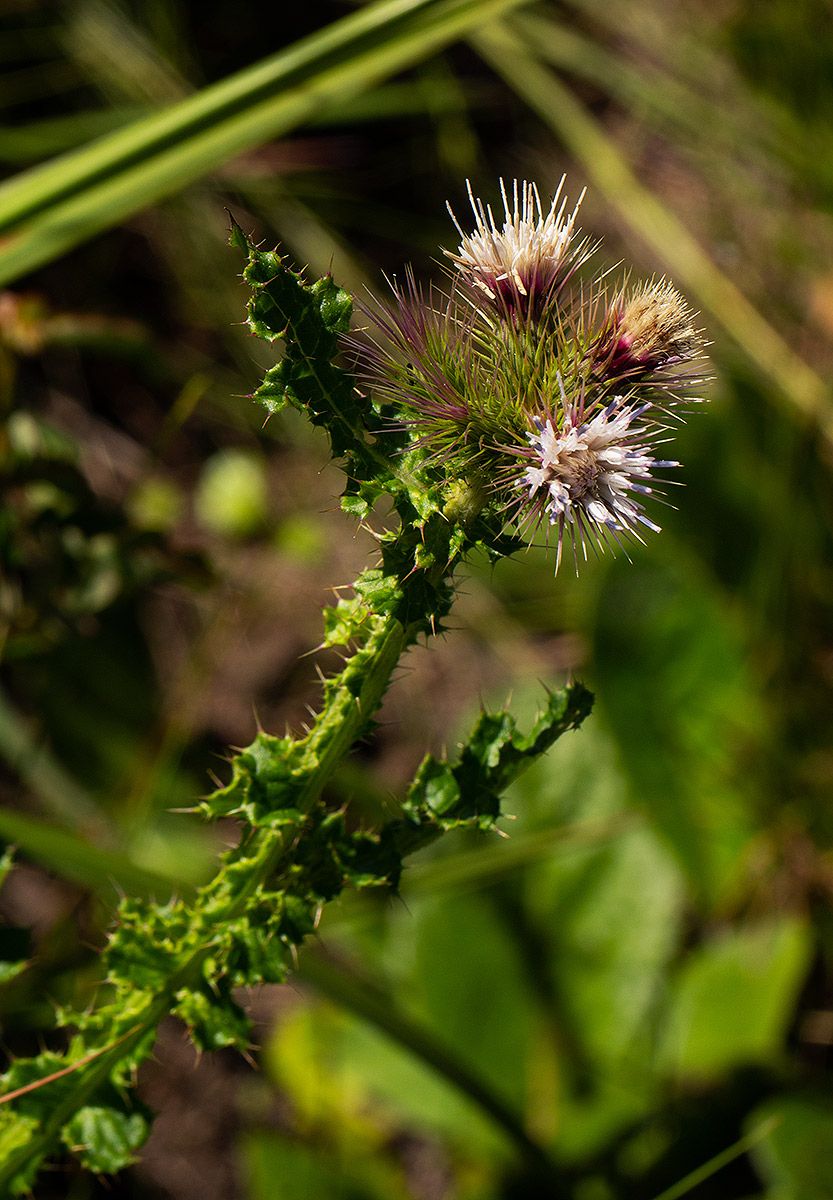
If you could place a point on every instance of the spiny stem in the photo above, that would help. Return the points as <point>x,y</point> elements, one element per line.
<point>330,739</point>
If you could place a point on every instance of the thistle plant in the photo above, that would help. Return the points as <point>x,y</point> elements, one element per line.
<point>521,399</point>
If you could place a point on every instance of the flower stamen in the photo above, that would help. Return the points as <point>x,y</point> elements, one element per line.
<point>582,476</point>
<point>525,261</point>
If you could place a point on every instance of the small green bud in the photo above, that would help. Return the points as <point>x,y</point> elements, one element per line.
<point>464,501</point>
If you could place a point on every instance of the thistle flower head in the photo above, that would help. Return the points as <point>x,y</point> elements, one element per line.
<point>649,330</point>
<point>434,365</point>
<point>543,403</point>
<point>585,476</point>
<point>521,266</point>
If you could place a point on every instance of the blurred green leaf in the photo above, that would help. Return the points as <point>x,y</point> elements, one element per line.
<point>467,961</point>
<point>346,1075</point>
<point>300,537</point>
<point>679,697</point>
<point>796,1158</point>
<point>733,999</point>
<point>416,1070</point>
<point>612,912</point>
<point>608,918</point>
<point>275,1166</point>
<point>616,914</point>
<point>155,504</point>
<point>6,863</point>
<point>231,497</point>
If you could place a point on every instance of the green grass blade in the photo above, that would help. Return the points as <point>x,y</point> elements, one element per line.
<point>83,194</point>
<point>43,186</point>
<point>73,858</point>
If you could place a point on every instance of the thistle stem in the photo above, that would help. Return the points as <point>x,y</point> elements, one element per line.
<point>362,685</point>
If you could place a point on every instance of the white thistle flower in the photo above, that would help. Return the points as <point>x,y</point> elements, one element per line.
<point>527,259</point>
<point>583,478</point>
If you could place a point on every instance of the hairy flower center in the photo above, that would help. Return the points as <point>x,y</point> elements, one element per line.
<point>579,471</point>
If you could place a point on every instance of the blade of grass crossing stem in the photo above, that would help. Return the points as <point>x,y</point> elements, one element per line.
<point>545,94</point>
<point>721,1160</point>
<point>118,181</point>
<point>359,998</point>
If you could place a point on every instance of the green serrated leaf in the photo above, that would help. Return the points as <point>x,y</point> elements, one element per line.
<point>358,505</point>
<point>105,1139</point>
<point>436,786</point>
<point>335,304</point>
<point>16,1130</point>
<point>310,319</point>
<point>213,1020</point>
<point>345,622</point>
<point>146,947</point>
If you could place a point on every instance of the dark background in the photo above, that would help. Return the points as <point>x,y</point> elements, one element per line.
<point>643,970</point>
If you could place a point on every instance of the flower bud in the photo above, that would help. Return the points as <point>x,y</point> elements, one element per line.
<point>653,329</point>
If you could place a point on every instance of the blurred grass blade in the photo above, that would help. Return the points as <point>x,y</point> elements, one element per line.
<point>651,90</point>
<point>22,144</point>
<point>116,54</point>
<point>360,998</point>
<point>56,206</point>
<point>467,871</point>
<point>700,1174</point>
<point>655,224</point>
<point>72,858</point>
<point>44,775</point>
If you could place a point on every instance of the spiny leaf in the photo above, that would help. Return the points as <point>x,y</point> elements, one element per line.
<point>310,319</point>
<point>105,1139</point>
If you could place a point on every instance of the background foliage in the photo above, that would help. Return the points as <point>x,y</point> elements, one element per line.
<point>642,971</point>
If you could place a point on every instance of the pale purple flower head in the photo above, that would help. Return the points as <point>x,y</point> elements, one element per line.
<point>586,475</point>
